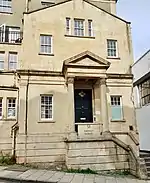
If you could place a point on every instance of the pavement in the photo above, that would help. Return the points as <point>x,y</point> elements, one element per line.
<point>8,175</point>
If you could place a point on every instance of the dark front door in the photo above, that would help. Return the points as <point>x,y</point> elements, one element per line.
<point>83,105</point>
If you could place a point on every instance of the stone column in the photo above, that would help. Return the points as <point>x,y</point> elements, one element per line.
<point>71,112</point>
<point>103,103</point>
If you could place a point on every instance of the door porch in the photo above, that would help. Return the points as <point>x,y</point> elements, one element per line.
<point>86,77</point>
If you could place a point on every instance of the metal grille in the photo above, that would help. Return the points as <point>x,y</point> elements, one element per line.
<point>8,36</point>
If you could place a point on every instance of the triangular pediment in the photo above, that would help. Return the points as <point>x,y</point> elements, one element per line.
<point>87,58</point>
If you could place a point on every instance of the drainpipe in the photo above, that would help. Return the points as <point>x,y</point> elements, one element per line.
<point>26,119</point>
<point>27,6</point>
<point>15,127</point>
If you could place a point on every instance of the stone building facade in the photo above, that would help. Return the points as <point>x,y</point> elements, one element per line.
<point>66,85</point>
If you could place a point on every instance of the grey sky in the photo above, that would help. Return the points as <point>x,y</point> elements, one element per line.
<point>138,13</point>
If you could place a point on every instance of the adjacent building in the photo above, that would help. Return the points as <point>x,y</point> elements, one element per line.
<point>141,71</point>
<point>66,85</point>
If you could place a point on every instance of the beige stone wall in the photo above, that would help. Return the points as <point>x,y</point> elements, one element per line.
<point>14,18</point>
<point>96,156</point>
<point>44,85</point>
<point>39,23</point>
<point>46,148</point>
<point>5,122</point>
<point>124,89</point>
<point>10,48</point>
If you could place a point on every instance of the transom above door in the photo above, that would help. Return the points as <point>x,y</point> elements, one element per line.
<point>83,105</point>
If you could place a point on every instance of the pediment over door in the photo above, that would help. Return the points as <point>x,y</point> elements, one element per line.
<point>85,64</point>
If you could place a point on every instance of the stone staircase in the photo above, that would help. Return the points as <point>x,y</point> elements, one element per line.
<point>146,156</point>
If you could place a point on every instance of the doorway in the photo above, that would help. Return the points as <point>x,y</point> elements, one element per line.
<point>83,105</point>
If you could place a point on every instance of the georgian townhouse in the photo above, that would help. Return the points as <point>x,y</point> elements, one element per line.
<point>66,85</point>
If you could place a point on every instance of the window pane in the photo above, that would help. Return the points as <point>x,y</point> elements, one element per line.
<point>112,48</point>
<point>90,28</point>
<point>5,5</point>
<point>2,58</point>
<point>79,27</point>
<point>116,112</point>
<point>11,107</point>
<point>45,44</point>
<point>12,61</point>
<point>46,107</point>
<point>116,108</point>
<point>144,89</point>
<point>0,108</point>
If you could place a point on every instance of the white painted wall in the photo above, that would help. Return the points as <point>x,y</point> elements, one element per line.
<point>143,121</point>
<point>140,69</point>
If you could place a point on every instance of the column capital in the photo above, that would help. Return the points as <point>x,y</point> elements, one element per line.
<point>103,81</point>
<point>70,80</point>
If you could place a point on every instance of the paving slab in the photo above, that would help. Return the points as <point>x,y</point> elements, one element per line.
<point>99,179</point>
<point>47,175</point>
<point>67,178</point>
<point>89,179</point>
<point>78,178</point>
<point>26,174</point>
<point>131,180</point>
<point>35,175</point>
<point>12,174</point>
<point>3,173</point>
<point>3,167</point>
<point>56,177</point>
<point>110,180</point>
<point>120,180</point>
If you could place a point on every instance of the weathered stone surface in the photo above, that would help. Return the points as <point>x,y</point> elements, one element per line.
<point>78,178</point>
<point>56,177</point>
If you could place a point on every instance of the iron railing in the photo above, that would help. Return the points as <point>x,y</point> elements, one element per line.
<point>11,36</point>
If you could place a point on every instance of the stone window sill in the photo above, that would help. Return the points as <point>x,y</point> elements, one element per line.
<point>89,37</point>
<point>46,121</point>
<point>3,12</point>
<point>115,58</point>
<point>122,121</point>
<point>10,43</point>
<point>46,54</point>
<point>8,119</point>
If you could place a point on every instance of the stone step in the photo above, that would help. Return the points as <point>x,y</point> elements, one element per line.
<point>148,173</point>
<point>148,169</point>
<point>147,160</point>
<point>145,155</point>
<point>147,164</point>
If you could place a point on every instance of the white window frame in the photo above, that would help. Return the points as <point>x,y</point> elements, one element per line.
<point>109,48</point>
<point>46,45</point>
<point>12,61</point>
<point>2,61</point>
<point>1,116</point>
<point>2,32</point>
<point>121,105</point>
<point>5,8</point>
<point>68,26</point>
<point>46,119</point>
<point>90,28</point>
<point>78,30</point>
<point>11,98</point>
